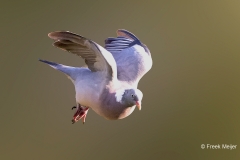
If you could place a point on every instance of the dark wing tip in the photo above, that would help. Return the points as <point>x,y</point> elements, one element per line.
<point>65,35</point>
<point>56,34</point>
<point>58,44</point>
<point>50,34</point>
<point>53,35</point>
<point>127,34</point>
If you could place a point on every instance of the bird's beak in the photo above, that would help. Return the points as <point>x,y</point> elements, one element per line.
<point>138,104</point>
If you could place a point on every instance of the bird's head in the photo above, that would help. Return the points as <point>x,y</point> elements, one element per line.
<point>130,97</point>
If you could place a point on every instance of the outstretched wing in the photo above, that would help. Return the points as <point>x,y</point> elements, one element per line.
<point>132,56</point>
<point>96,57</point>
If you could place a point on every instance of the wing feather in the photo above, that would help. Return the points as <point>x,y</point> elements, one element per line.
<point>132,56</point>
<point>96,57</point>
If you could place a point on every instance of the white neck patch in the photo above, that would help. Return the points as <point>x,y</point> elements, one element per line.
<point>119,95</point>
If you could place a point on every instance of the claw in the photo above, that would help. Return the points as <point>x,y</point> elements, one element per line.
<point>81,113</point>
<point>74,107</point>
<point>73,121</point>
<point>84,118</point>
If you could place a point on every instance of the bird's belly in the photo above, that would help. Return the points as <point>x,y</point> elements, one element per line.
<point>88,89</point>
<point>86,99</point>
<point>115,114</point>
<point>86,95</point>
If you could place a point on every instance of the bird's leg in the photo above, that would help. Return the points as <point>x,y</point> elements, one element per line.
<point>81,113</point>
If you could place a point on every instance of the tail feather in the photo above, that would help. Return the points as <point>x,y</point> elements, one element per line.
<point>52,64</point>
<point>69,71</point>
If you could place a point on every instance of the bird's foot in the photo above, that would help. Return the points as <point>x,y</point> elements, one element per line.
<point>81,113</point>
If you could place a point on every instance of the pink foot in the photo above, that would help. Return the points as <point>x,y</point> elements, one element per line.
<point>81,113</point>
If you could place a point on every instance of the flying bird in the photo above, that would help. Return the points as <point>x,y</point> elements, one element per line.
<point>108,84</point>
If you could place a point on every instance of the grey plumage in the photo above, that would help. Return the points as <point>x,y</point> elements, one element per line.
<point>109,84</point>
<point>133,58</point>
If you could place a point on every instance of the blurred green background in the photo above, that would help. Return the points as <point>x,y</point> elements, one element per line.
<point>191,95</point>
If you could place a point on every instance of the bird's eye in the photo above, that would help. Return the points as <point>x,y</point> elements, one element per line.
<point>132,95</point>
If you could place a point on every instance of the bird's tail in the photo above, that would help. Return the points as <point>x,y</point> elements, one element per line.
<point>69,71</point>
